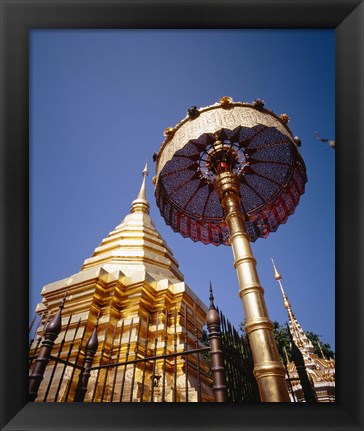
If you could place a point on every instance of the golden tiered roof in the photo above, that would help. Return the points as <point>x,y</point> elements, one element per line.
<point>135,245</point>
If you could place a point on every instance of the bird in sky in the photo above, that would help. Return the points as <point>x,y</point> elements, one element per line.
<point>331,142</point>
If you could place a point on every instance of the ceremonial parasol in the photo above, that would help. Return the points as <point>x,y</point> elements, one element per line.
<point>261,151</point>
<point>228,174</point>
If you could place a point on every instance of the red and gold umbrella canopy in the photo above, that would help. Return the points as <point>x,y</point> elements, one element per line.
<point>243,138</point>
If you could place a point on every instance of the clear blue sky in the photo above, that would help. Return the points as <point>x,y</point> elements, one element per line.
<point>99,103</point>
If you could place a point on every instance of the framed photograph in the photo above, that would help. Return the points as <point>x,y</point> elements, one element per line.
<point>160,38</point>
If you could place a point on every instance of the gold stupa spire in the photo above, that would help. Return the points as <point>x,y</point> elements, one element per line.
<point>278,277</point>
<point>292,320</point>
<point>141,204</point>
<point>298,334</point>
<point>135,245</point>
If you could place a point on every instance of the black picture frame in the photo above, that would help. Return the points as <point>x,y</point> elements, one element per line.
<point>17,18</point>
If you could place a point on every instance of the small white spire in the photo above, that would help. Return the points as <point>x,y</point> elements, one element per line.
<point>145,171</point>
<point>140,204</point>
<point>142,193</point>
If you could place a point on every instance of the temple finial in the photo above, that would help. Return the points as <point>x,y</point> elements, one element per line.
<point>145,171</point>
<point>277,275</point>
<point>140,204</point>
<point>286,303</point>
<point>142,193</point>
<point>294,327</point>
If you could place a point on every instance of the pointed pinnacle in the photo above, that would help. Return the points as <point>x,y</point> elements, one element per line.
<point>212,305</point>
<point>142,192</point>
<point>63,300</point>
<point>140,204</point>
<point>145,171</point>
<point>277,275</point>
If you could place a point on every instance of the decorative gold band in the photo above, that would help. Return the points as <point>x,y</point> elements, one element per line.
<point>244,259</point>
<point>268,368</point>
<point>263,323</point>
<point>251,288</point>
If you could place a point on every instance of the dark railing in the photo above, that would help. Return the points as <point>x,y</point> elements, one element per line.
<point>240,381</point>
<point>134,362</point>
<point>144,359</point>
<point>51,332</point>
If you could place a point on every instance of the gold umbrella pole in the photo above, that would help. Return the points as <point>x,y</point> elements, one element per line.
<point>268,369</point>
